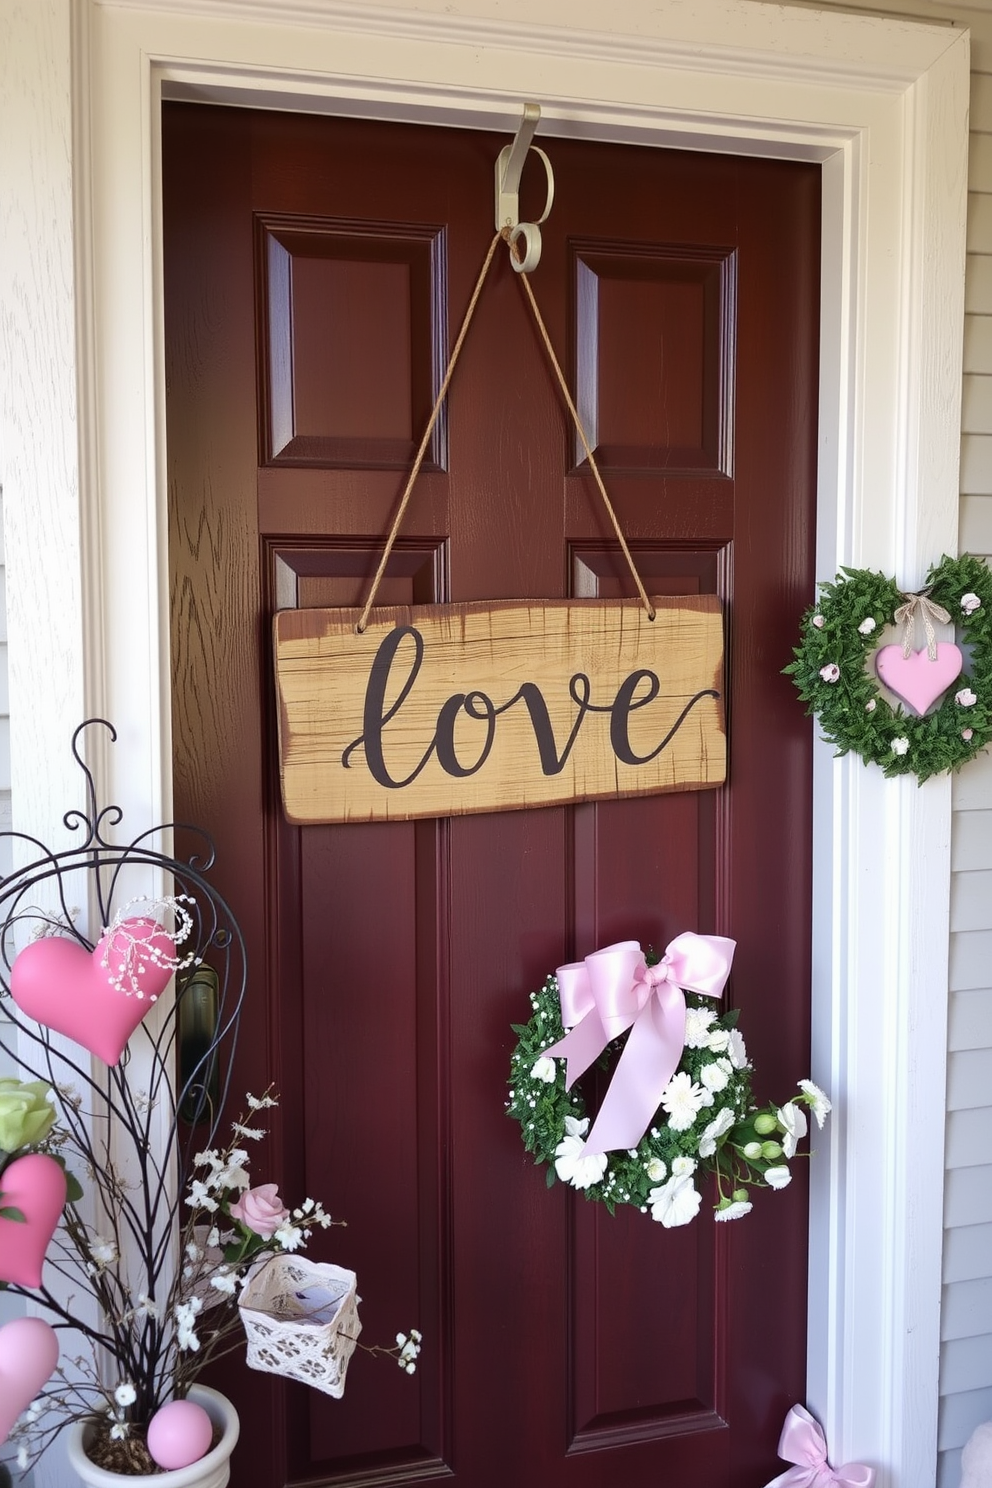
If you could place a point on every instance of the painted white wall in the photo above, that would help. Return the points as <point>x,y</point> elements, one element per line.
<point>881,103</point>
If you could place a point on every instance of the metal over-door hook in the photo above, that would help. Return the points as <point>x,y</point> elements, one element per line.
<point>509,166</point>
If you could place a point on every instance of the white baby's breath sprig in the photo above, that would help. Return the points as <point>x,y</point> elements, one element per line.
<point>132,952</point>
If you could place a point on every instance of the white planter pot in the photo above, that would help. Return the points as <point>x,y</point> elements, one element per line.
<point>212,1471</point>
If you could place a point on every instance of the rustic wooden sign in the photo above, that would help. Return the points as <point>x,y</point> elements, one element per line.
<point>439,710</point>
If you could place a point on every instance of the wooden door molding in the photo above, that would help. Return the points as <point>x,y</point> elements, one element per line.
<point>727,76</point>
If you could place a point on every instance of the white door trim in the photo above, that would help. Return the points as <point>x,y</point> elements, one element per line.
<point>883,104</point>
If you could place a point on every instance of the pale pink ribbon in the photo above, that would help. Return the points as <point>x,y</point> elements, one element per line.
<point>613,990</point>
<point>803,1443</point>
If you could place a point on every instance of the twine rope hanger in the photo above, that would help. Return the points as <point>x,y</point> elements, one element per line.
<point>504,234</point>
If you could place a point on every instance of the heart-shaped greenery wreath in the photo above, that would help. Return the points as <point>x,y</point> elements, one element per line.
<point>830,671</point>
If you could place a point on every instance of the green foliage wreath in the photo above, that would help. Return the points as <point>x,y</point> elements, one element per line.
<point>834,677</point>
<point>727,1136</point>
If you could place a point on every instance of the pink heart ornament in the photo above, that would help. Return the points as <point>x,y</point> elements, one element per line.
<point>35,1184</point>
<point>29,1352</point>
<point>915,678</point>
<point>61,984</point>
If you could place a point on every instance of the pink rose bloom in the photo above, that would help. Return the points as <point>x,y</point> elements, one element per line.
<point>818,621</point>
<point>830,672</point>
<point>966,734</point>
<point>261,1210</point>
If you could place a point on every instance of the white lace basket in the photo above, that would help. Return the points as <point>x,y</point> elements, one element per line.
<point>301,1319</point>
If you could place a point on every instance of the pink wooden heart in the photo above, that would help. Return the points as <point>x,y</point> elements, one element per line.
<point>35,1184</point>
<point>29,1352</point>
<point>60,983</point>
<point>915,678</point>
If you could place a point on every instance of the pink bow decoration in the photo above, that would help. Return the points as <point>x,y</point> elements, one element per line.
<point>614,989</point>
<point>803,1443</point>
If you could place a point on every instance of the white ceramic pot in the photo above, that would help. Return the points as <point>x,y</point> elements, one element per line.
<point>212,1471</point>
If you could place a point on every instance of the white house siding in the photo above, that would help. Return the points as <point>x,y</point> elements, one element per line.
<point>966,1330</point>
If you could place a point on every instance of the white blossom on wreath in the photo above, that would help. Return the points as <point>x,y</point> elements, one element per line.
<point>816,1100</point>
<point>794,1127</point>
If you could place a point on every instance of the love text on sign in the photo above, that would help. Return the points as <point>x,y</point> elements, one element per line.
<point>440,710</point>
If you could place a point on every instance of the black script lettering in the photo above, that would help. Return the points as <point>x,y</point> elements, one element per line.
<point>444,736</point>
<point>540,720</point>
<point>373,718</point>
<point>625,705</point>
<point>479,706</point>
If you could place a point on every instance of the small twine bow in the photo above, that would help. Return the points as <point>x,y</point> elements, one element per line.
<point>905,615</point>
<point>802,1442</point>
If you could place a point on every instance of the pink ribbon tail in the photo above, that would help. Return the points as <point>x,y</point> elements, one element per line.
<point>802,1443</point>
<point>613,990</point>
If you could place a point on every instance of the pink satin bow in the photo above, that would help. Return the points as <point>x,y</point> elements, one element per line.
<point>802,1442</point>
<point>613,990</point>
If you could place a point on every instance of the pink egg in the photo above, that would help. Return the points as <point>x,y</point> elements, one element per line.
<point>179,1433</point>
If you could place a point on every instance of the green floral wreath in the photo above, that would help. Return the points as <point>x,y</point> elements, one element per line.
<point>830,672</point>
<point>725,1134</point>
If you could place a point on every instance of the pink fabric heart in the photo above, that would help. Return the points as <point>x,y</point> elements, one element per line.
<point>915,678</point>
<point>29,1352</point>
<point>35,1184</point>
<point>61,984</point>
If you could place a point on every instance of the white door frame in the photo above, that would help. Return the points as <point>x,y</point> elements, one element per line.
<point>883,104</point>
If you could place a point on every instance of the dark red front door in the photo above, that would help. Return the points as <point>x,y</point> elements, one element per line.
<point>316,271</point>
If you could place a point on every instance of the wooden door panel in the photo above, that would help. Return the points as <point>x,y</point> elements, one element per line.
<point>563,1348</point>
<point>351,314</point>
<point>671,408</point>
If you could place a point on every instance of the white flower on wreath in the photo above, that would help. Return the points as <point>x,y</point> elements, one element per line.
<point>735,1210</point>
<point>676,1203</point>
<point>966,698</point>
<point>970,603</point>
<point>737,1049</point>
<point>718,1041</point>
<point>718,1127</point>
<point>656,1170</point>
<point>818,621</point>
<point>570,1165</point>
<point>867,625</point>
<point>682,1099</point>
<point>871,705</point>
<point>900,746</point>
<point>779,1177</point>
<point>820,1104</point>
<point>793,1120</point>
<point>716,1076</point>
<point>830,672</point>
<point>697,1027</point>
<point>683,1167</point>
<point>544,1069</point>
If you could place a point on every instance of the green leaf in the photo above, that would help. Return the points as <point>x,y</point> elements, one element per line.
<point>73,1187</point>
<point>10,1212</point>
